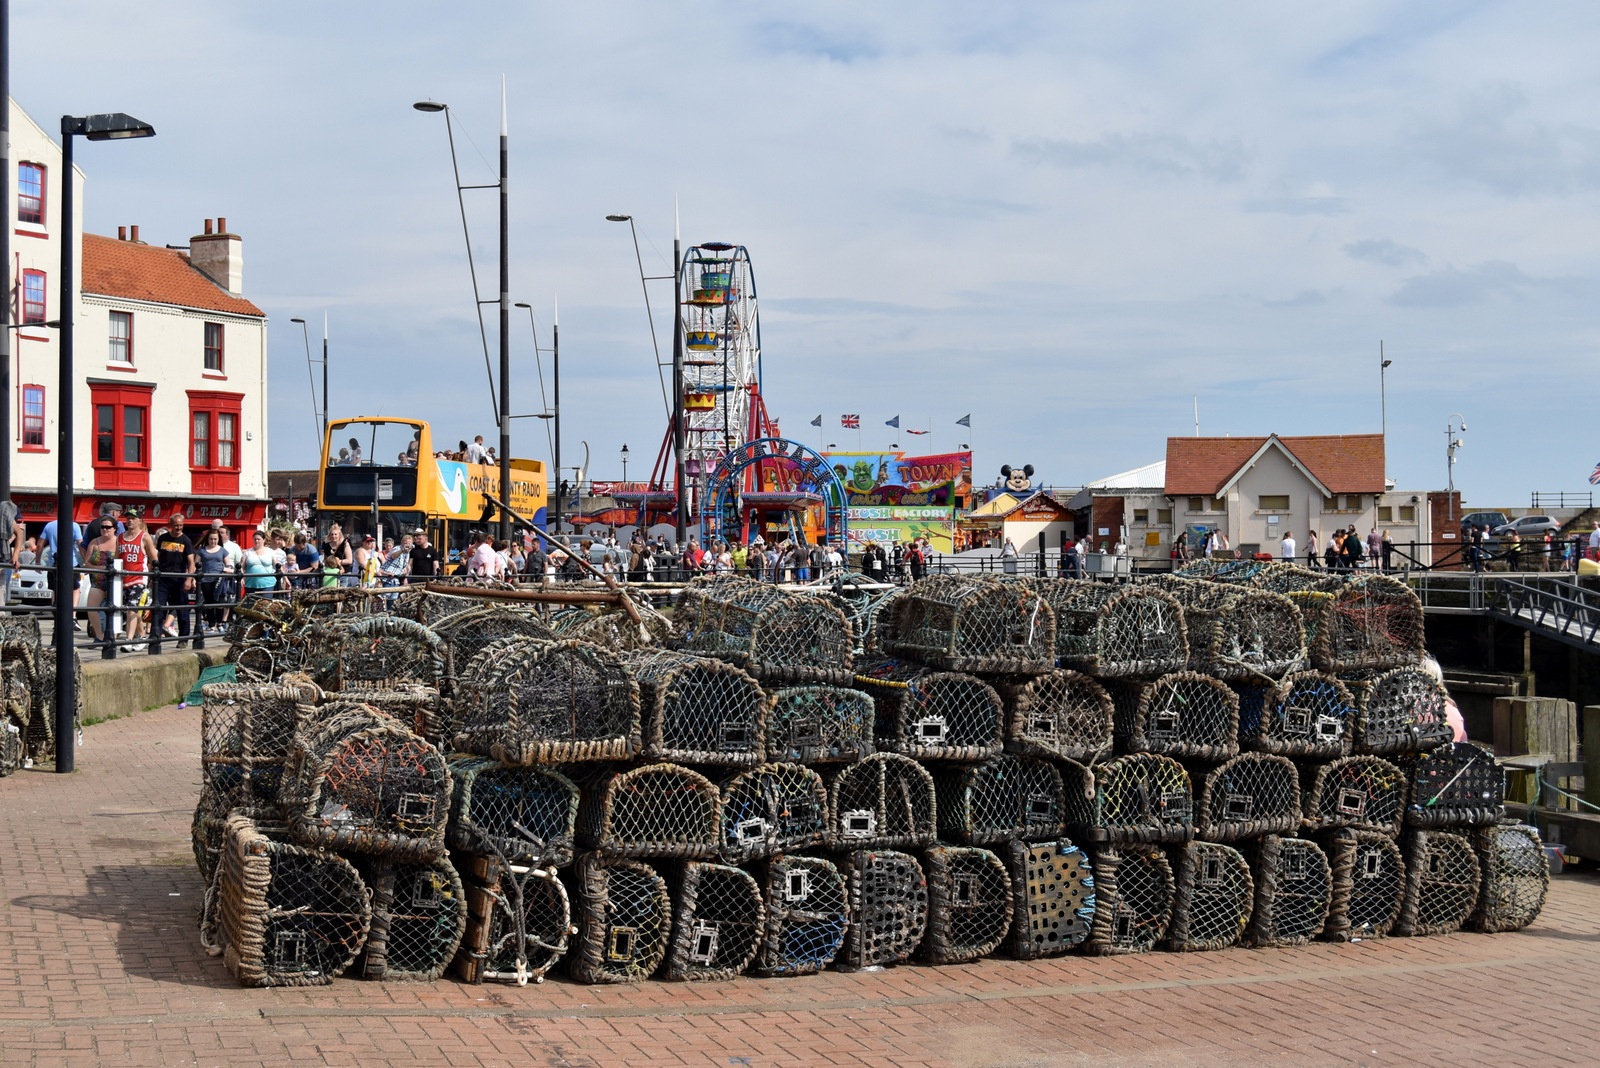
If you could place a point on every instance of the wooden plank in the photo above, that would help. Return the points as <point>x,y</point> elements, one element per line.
<point>1535,725</point>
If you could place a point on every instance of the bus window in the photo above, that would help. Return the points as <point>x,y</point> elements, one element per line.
<point>373,442</point>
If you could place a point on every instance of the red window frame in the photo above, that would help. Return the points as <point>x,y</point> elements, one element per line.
<point>219,413</point>
<point>33,297</point>
<point>112,339</point>
<point>30,192</point>
<point>120,424</point>
<point>213,347</point>
<point>33,419</point>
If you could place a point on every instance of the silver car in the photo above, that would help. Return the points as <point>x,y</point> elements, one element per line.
<point>1529,526</point>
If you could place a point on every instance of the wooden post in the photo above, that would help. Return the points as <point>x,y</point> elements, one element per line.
<point>1537,725</point>
<point>1591,754</point>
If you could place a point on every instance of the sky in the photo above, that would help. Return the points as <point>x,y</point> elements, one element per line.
<point>1074,221</point>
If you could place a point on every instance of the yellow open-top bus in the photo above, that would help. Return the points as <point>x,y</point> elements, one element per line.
<point>378,471</point>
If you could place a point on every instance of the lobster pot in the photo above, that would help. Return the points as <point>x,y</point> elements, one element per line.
<point>1183,714</point>
<point>10,747</point>
<point>1456,785</point>
<point>1239,633</point>
<point>807,914</point>
<point>884,801</point>
<point>880,623</point>
<point>207,831</point>
<point>1364,793</point>
<point>384,652</point>
<point>1052,897</point>
<point>969,904</point>
<point>1293,888</point>
<point>772,808</point>
<point>1442,879</point>
<point>507,910</point>
<point>1514,877</point>
<point>1284,578</point>
<point>1254,793</point>
<point>1111,629</point>
<point>419,913</point>
<point>465,634</point>
<point>932,715</point>
<point>776,635</point>
<point>1309,715</point>
<point>624,920</point>
<point>658,810</point>
<point>1135,798</point>
<point>1133,894</point>
<point>717,922</point>
<point>1368,878</point>
<point>1005,797</point>
<point>1371,622</point>
<point>39,737</point>
<point>419,708</point>
<point>20,692</point>
<point>1398,712</point>
<point>888,908</point>
<point>819,725</point>
<point>1212,898</point>
<point>432,609</point>
<point>265,639</point>
<point>524,814</point>
<point>285,915</point>
<point>1059,714</point>
<point>976,623</point>
<point>614,628</point>
<point>19,630</point>
<point>524,701</point>
<point>698,709</point>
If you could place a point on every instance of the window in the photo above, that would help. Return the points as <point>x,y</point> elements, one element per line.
<point>1197,504</point>
<point>214,441</point>
<point>121,436</point>
<point>122,337</point>
<point>32,297</point>
<point>33,418</point>
<point>1219,504</point>
<point>1274,502</point>
<point>1330,504</point>
<point>1141,515</point>
<point>201,440</point>
<point>30,193</point>
<point>214,347</point>
<point>1408,513</point>
<point>1385,514</point>
<point>1163,515</point>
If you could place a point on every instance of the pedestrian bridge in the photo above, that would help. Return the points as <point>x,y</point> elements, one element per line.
<point>1553,605</point>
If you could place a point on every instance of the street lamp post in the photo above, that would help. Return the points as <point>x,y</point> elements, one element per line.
<point>108,127</point>
<point>309,362</point>
<point>1453,441</point>
<point>624,465</point>
<point>1383,402</point>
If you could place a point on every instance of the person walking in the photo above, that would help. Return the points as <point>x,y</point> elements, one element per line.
<point>1008,557</point>
<point>424,561</point>
<point>1353,550</point>
<point>99,554</point>
<point>174,587</point>
<point>1476,548</point>
<point>1287,550</point>
<point>261,566</point>
<point>1374,547</point>
<point>1311,548</point>
<point>137,551</point>
<point>1180,546</point>
<point>1333,555</point>
<point>1386,551</point>
<point>211,564</point>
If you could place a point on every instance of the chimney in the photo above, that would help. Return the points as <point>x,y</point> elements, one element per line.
<point>135,234</point>
<point>218,256</point>
<point>122,233</point>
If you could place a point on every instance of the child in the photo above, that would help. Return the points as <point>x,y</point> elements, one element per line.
<point>330,571</point>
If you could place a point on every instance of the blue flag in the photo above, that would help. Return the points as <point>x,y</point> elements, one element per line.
<point>895,422</point>
<point>965,420</point>
<point>817,421</point>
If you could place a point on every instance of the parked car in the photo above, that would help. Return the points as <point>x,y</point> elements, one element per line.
<point>29,585</point>
<point>1529,526</point>
<point>1489,521</point>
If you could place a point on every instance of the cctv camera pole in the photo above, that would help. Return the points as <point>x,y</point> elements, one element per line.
<point>505,332</point>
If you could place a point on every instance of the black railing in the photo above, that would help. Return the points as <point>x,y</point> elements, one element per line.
<point>1562,500</point>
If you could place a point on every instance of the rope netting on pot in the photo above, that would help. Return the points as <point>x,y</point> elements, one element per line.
<point>467,633</point>
<point>882,802</point>
<point>819,725</point>
<point>1249,795</point>
<point>657,810</point>
<point>385,652</point>
<point>976,623</point>
<point>1364,793</point>
<point>624,920</point>
<point>1514,877</point>
<point>772,808</point>
<point>775,634</point>
<point>431,609</point>
<point>1238,633</point>
<point>1052,897</point>
<point>1442,880</point>
<point>1061,714</point>
<point>19,683</point>
<point>1004,797</point>
<point>11,750</point>
<point>1182,714</point>
<point>1213,896</point>
<point>614,628</point>
<point>1373,622</point>
<point>1110,628</point>
<point>807,914</point>
<point>1397,712</point>
<point>880,620</point>
<point>1133,893</point>
<point>888,907</point>
<point>1136,798</point>
<point>698,709</point>
<point>1368,879</point>
<point>526,701</point>
<point>1456,785</point>
<point>419,913</point>
<point>30,687</point>
<point>208,830</point>
<point>1287,578</point>
<point>717,922</point>
<point>519,923</point>
<point>246,731</point>
<point>1294,886</point>
<point>969,904</point>
<point>1308,714</point>
<point>938,715</point>
<point>523,814</point>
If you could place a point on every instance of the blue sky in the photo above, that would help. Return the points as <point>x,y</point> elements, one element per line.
<point>1066,219</point>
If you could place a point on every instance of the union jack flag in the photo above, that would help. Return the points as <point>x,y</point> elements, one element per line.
<point>1594,476</point>
<point>916,431</point>
<point>850,422</point>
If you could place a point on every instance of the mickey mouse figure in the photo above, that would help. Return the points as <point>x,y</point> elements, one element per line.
<point>1016,479</point>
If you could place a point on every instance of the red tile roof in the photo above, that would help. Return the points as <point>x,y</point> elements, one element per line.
<point>137,271</point>
<point>1345,463</point>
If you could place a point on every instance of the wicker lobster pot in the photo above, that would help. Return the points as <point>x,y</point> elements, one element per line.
<point>1133,893</point>
<point>11,754</point>
<point>1442,880</point>
<point>658,810</point>
<point>419,708</point>
<point>807,914</point>
<point>1052,897</point>
<point>20,691</point>
<point>969,904</point>
<point>1514,877</point>
<point>432,609</point>
<point>419,913</point>
<point>523,814</point>
<point>39,735</point>
<point>1456,785</point>
<point>383,652</point>
<point>1308,714</point>
<point>1294,885</point>
<point>888,907</point>
<point>285,915</point>
<point>1368,879</point>
<point>1363,793</point>
<point>973,623</point>
<point>1371,621</point>
<point>1133,799</point>
<point>467,633</point>
<point>1213,896</point>
<point>208,831</point>
<point>614,628</point>
<point>535,702</point>
<point>699,710</point>
<point>717,922</point>
<point>1239,633</point>
<point>1112,629</point>
<point>245,734</point>
<point>1182,714</point>
<point>880,623</point>
<point>1399,712</point>
<point>1004,797</point>
<point>1287,578</point>
<point>776,635</point>
<point>624,920</point>
<point>772,808</point>
<point>819,725</point>
<point>932,715</point>
<point>882,802</point>
<point>1060,714</point>
<point>1252,794</point>
<point>508,910</point>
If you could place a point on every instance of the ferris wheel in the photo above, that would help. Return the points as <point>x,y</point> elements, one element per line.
<point>722,351</point>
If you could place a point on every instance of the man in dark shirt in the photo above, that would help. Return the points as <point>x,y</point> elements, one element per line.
<point>534,562</point>
<point>424,558</point>
<point>174,587</point>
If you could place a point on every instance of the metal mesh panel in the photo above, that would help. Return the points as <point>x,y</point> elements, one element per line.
<point>717,922</point>
<point>774,634</point>
<point>245,735</point>
<point>1399,711</point>
<point>1293,887</point>
<point>507,910</point>
<point>806,916</point>
<point>884,801</point>
<point>1238,633</point>
<point>1183,714</point>
<point>1212,898</point>
<point>698,709</point>
<point>976,623</point>
<point>1456,785</point>
<point>419,913</point>
<point>1442,879</point>
<point>659,810</point>
<point>1309,714</point>
<point>1061,714</point>
<point>1514,877</point>
<point>1373,621</point>
<point>1053,897</point>
<point>1112,629</point>
<point>624,919</point>
<point>969,904</point>
<point>938,715</point>
<point>1365,793</point>
<point>772,808</point>
<point>881,620</point>
<point>1133,893</point>
<point>1254,793</point>
<point>819,725</point>
<point>524,814</point>
<point>888,907</point>
<point>1368,878</point>
<point>1004,797</point>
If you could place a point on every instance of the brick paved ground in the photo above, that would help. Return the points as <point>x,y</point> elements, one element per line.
<point>99,963</point>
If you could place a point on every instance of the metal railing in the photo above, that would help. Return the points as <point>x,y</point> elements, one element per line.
<point>1556,605</point>
<point>1562,499</point>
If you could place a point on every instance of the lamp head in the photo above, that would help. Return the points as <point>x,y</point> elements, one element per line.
<point>618,218</point>
<point>429,106</point>
<point>302,322</point>
<point>519,304</point>
<point>1463,426</point>
<point>112,126</point>
<point>1386,363</point>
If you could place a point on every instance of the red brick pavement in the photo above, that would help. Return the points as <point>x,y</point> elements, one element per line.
<point>100,963</point>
